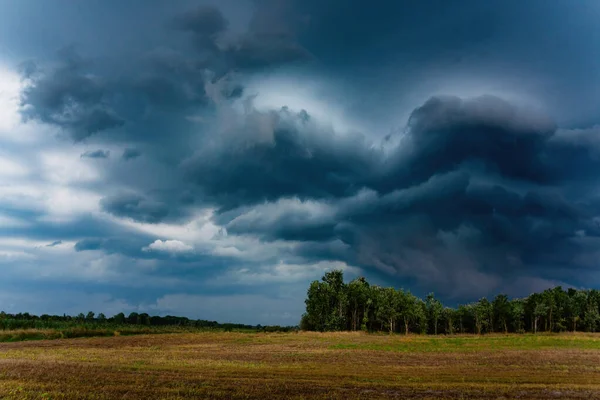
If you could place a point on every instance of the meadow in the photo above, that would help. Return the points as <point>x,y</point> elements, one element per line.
<point>234,365</point>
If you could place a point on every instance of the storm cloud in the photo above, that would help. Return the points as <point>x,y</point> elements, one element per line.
<point>260,143</point>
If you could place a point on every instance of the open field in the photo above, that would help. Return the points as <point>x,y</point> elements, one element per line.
<point>71,332</point>
<point>302,365</point>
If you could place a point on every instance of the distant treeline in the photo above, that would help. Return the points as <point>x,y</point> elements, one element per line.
<point>333,305</point>
<point>45,321</point>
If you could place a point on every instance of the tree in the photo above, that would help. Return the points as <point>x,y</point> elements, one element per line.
<point>387,307</point>
<point>119,318</point>
<point>421,316</point>
<point>338,299</point>
<point>561,304</point>
<point>133,318</point>
<point>540,310</point>
<point>576,306</point>
<point>333,305</point>
<point>502,310</point>
<point>364,326</point>
<point>448,316</point>
<point>482,314</point>
<point>317,305</point>
<point>358,291</point>
<point>408,309</point>
<point>305,323</point>
<point>591,315</point>
<point>90,316</point>
<point>517,313</point>
<point>434,311</point>
<point>101,317</point>
<point>464,313</point>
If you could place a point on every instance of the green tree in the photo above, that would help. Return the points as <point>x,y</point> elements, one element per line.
<point>502,310</point>
<point>576,306</point>
<point>434,311</point>
<point>387,307</point>
<point>408,309</point>
<point>421,316</point>
<point>318,305</point>
<point>119,318</point>
<point>591,315</point>
<point>449,316</point>
<point>517,314</point>
<point>133,318</point>
<point>338,299</point>
<point>540,310</point>
<point>358,292</point>
<point>464,314</point>
<point>90,316</point>
<point>483,315</point>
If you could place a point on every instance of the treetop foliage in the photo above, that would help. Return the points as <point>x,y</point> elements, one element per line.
<point>332,305</point>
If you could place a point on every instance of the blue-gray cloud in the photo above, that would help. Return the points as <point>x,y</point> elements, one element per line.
<point>65,96</point>
<point>96,154</point>
<point>130,154</point>
<point>486,182</point>
<point>135,207</point>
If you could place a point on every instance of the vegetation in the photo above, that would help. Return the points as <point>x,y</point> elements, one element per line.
<point>333,305</point>
<point>24,326</point>
<point>333,365</point>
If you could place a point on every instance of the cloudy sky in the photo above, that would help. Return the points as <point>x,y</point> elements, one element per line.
<point>211,158</point>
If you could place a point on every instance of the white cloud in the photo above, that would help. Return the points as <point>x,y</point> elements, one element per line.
<point>169,246</point>
<point>198,231</point>
<point>283,272</point>
<point>11,168</point>
<point>67,167</point>
<point>10,86</point>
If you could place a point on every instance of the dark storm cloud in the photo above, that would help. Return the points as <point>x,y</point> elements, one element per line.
<point>204,21</point>
<point>85,97</point>
<point>135,206</point>
<point>448,131</point>
<point>130,154</point>
<point>96,154</point>
<point>89,244</point>
<point>473,195</point>
<point>276,154</point>
<point>262,46</point>
<point>68,97</point>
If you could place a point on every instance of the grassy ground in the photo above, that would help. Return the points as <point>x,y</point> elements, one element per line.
<point>300,366</point>
<point>75,331</point>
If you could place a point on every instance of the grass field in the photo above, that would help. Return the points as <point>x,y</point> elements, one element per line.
<point>302,365</point>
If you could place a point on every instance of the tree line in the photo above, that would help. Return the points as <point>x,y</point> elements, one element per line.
<point>332,305</point>
<point>45,321</point>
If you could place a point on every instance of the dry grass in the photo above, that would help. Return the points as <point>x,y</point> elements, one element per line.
<point>300,366</point>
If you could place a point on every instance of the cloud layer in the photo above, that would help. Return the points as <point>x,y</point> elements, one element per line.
<point>161,174</point>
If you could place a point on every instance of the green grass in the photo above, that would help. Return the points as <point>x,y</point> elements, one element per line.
<point>475,343</point>
<point>87,331</point>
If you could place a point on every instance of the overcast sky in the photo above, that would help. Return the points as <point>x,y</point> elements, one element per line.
<point>211,158</point>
